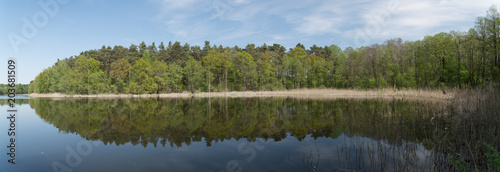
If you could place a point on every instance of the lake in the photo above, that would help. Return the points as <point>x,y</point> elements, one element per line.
<point>229,134</point>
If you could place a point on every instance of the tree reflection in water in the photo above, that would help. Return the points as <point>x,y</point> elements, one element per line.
<point>365,134</point>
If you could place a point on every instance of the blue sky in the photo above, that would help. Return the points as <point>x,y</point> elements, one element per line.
<point>79,25</point>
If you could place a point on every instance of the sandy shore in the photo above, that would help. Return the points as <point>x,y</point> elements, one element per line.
<point>301,93</point>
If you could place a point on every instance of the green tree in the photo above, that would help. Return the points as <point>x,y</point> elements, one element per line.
<point>211,62</point>
<point>159,73</point>
<point>193,74</point>
<point>265,71</point>
<point>141,80</point>
<point>120,69</point>
<point>174,77</point>
<point>248,70</point>
<point>295,67</point>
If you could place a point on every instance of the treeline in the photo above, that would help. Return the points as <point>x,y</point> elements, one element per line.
<point>454,59</point>
<point>20,89</point>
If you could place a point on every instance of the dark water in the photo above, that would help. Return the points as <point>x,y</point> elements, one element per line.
<point>218,134</point>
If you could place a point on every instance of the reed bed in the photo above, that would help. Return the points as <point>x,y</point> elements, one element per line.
<point>298,93</point>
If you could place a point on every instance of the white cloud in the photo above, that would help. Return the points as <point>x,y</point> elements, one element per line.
<point>412,19</point>
<point>171,4</point>
<point>317,24</point>
<point>289,20</point>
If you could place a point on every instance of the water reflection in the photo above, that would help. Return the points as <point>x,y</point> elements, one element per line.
<point>299,135</point>
<point>177,121</point>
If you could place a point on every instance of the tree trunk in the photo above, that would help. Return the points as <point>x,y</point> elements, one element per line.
<point>208,73</point>
<point>495,36</point>
<point>225,84</point>
<point>483,63</point>
<point>416,69</point>
<point>459,75</point>
<point>234,82</point>
<point>226,109</point>
<point>442,67</point>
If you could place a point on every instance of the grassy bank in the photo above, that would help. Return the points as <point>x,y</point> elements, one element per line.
<point>301,93</point>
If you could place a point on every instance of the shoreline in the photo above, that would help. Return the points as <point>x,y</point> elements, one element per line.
<point>300,93</point>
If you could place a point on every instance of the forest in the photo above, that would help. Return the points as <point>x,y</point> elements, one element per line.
<point>458,59</point>
<point>20,89</point>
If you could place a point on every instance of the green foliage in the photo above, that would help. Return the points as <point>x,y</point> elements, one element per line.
<point>460,164</point>
<point>120,69</point>
<point>247,70</point>
<point>296,68</point>
<point>174,77</point>
<point>120,75</point>
<point>193,74</point>
<point>265,72</point>
<point>20,89</point>
<point>493,157</point>
<point>142,79</point>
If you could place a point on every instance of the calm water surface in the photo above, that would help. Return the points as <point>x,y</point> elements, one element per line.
<point>225,134</point>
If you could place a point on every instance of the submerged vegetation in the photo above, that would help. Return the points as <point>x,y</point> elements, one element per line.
<point>454,59</point>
